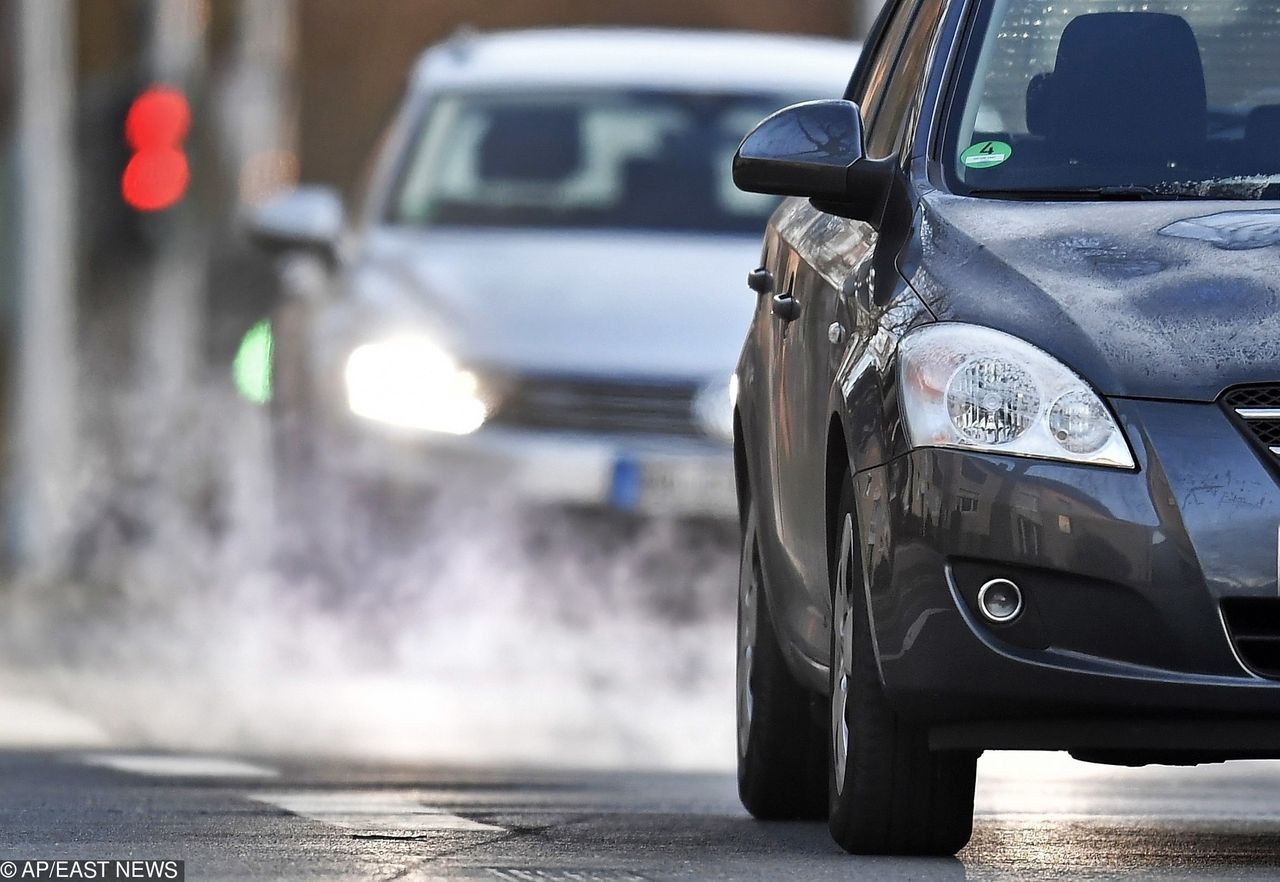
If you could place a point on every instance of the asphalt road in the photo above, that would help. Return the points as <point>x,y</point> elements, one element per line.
<point>257,818</point>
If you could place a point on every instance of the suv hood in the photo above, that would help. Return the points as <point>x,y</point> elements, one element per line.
<point>1172,300</point>
<point>575,302</point>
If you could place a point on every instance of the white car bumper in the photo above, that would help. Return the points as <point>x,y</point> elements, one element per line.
<point>645,475</point>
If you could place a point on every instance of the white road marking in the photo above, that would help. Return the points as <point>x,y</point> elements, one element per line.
<point>563,874</point>
<point>178,766</point>
<point>371,810</point>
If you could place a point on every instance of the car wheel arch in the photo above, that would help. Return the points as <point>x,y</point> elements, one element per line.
<point>778,592</point>
<point>838,465</point>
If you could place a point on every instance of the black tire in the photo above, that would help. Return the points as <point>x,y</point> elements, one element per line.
<point>893,795</point>
<point>781,743</point>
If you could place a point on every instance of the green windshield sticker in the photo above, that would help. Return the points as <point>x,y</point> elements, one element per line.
<point>987,154</point>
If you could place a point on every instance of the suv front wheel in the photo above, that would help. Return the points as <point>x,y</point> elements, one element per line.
<point>889,794</point>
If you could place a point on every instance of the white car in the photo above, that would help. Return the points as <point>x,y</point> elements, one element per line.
<point>545,288</point>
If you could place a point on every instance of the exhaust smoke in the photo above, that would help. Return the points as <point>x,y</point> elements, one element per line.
<point>469,630</point>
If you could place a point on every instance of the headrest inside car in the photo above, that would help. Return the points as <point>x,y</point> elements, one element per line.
<point>531,144</point>
<point>1126,85</point>
<point>1039,103</point>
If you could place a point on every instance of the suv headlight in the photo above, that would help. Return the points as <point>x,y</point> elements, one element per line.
<point>976,388</point>
<point>409,381</point>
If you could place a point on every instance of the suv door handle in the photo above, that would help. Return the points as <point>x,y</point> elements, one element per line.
<point>786,307</point>
<point>760,280</point>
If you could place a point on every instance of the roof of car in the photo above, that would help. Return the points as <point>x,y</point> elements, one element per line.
<point>663,59</point>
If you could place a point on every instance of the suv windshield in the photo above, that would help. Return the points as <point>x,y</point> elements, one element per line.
<point>1157,98</point>
<point>602,159</point>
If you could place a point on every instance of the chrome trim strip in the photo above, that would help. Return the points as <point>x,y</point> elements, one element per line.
<point>1231,644</point>
<point>1258,413</point>
<point>1274,450</point>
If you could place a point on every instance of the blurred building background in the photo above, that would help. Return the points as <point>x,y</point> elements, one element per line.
<point>353,56</point>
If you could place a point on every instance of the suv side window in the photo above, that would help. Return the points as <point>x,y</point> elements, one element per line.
<point>898,95</point>
<point>868,92</point>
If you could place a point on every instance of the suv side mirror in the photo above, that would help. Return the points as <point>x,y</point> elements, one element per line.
<point>308,218</point>
<point>816,150</point>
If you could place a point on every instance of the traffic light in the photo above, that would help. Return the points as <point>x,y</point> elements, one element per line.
<point>157,174</point>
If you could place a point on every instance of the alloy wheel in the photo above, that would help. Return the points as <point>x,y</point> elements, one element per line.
<point>748,621</point>
<point>842,653</point>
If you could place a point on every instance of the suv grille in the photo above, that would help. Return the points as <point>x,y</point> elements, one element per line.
<point>598,406</point>
<point>1254,626</point>
<point>1258,409</point>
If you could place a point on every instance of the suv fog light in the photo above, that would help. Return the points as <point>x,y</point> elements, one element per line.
<point>1000,600</point>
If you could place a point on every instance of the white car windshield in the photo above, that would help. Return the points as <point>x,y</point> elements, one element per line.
<point>597,159</point>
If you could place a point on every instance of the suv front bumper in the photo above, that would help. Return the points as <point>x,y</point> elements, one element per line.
<point>1123,573</point>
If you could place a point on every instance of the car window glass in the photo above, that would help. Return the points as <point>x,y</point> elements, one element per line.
<point>597,159</point>
<point>902,86</point>
<point>1180,96</point>
<point>868,99</point>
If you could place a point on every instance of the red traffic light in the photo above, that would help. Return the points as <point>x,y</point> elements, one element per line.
<point>155,179</point>
<point>157,174</point>
<point>159,117</point>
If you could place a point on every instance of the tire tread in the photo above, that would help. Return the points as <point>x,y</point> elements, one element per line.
<point>783,775</point>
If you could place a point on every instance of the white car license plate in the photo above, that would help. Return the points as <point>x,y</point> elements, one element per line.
<point>674,486</point>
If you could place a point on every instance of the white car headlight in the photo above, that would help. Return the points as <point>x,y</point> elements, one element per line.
<point>409,381</point>
<point>976,388</point>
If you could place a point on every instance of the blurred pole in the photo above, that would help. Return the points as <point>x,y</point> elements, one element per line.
<point>257,136</point>
<point>258,116</point>
<point>862,14</point>
<point>171,327</point>
<point>45,412</point>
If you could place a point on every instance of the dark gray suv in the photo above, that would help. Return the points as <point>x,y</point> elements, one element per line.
<point>1007,432</point>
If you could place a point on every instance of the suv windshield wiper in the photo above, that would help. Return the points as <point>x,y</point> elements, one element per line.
<point>1085,194</point>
